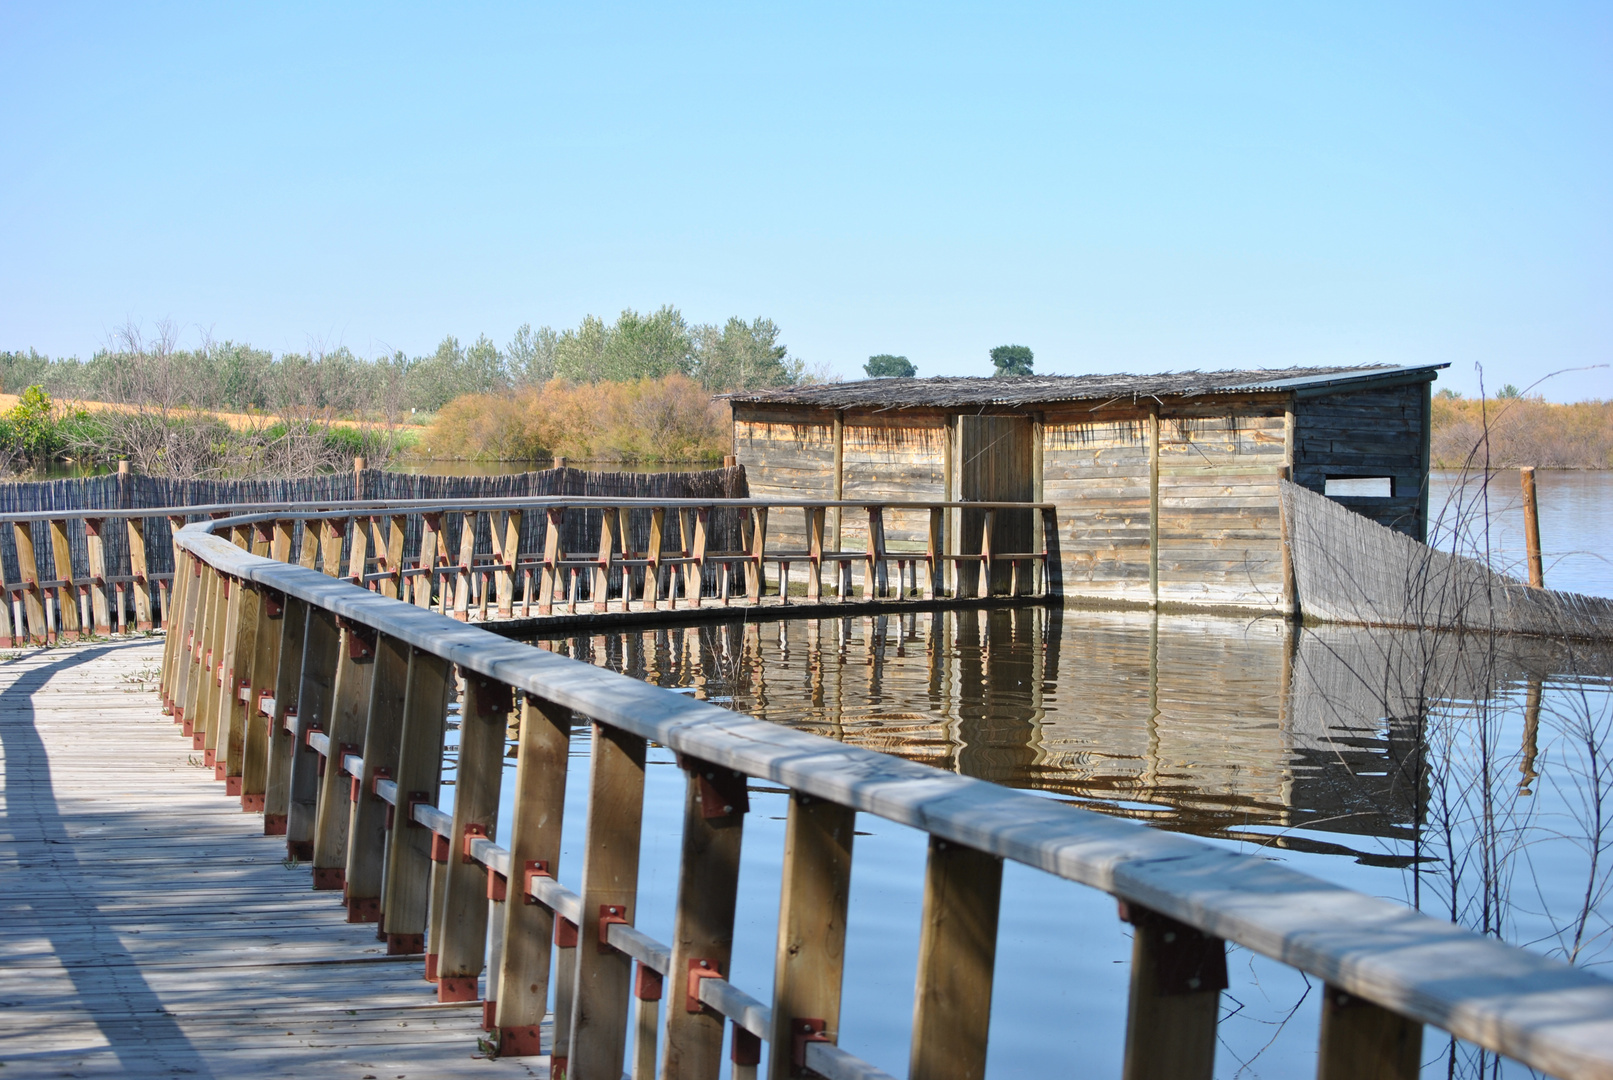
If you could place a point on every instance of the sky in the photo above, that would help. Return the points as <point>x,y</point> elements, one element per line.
<point>1121,187</point>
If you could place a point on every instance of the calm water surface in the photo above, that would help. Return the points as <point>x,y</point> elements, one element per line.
<point>1466,776</point>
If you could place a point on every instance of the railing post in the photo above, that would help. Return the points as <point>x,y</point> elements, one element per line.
<point>95,544</point>
<point>321,642</point>
<point>933,562</point>
<point>609,890</point>
<point>509,556</point>
<point>28,569</point>
<point>67,621</point>
<point>406,898</point>
<point>467,556</point>
<point>165,598</point>
<point>138,570</point>
<point>1360,1038</point>
<point>6,599</point>
<point>652,557</point>
<point>483,719</point>
<point>366,831</point>
<point>809,963</point>
<point>184,630</point>
<point>608,526</point>
<point>283,745</point>
<point>201,693</point>
<point>173,641</point>
<point>551,579</point>
<point>236,716</point>
<point>983,586</point>
<point>350,706</point>
<point>540,801</point>
<point>814,525</point>
<point>358,552</point>
<point>957,952</point>
<point>331,534</point>
<point>714,807</point>
<point>430,537</point>
<point>697,551</point>
<point>758,578</point>
<point>1177,975</point>
<point>876,582</point>
<point>259,729</point>
<point>397,532</point>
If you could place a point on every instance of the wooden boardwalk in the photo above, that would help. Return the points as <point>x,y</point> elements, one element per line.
<point>148,928</point>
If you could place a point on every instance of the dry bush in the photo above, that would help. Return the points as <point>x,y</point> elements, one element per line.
<point>666,419</point>
<point>1523,431</point>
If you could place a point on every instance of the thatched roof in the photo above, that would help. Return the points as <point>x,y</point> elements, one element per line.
<point>1014,390</point>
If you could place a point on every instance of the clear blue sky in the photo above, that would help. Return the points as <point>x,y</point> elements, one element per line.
<point>1120,187</point>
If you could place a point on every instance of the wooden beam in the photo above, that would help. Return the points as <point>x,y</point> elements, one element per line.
<point>367,825</point>
<point>283,746</point>
<point>1177,975</point>
<point>1361,1039</point>
<point>315,697</point>
<point>406,899</point>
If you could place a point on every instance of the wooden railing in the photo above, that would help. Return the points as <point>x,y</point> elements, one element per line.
<point>430,554</point>
<point>328,703</point>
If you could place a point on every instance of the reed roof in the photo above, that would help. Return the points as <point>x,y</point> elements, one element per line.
<point>1017,390</point>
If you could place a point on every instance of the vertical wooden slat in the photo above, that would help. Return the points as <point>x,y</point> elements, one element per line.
<point>28,571</point>
<point>608,528</point>
<point>874,582</point>
<point>540,801</point>
<point>430,538</point>
<point>609,881</point>
<point>406,897</point>
<point>1531,528</point>
<point>482,722</point>
<point>839,479</point>
<point>172,640</point>
<point>759,553</point>
<point>551,579</point>
<point>358,552</point>
<point>350,705</point>
<point>139,571</point>
<point>315,697</point>
<point>467,556</point>
<point>283,745</point>
<point>652,555</point>
<point>190,678</point>
<point>332,532</point>
<point>367,824</point>
<point>101,613</point>
<point>714,808</point>
<point>6,632</point>
<point>210,645</point>
<point>397,533</point>
<point>66,594</point>
<point>1177,975</point>
<point>809,963</point>
<point>1153,504</point>
<point>1361,1039</point>
<point>240,673</point>
<point>957,953</point>
<point>509,558</point>
<point>814,528</point>
<point>259,736</point>
<point>182,633</point>
<point>983,585</point>
<point>933,552</point>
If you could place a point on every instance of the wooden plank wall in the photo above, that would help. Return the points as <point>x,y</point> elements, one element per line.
<point>1368,433</point>
<point>1095,468</point>
<point>787,454</point>
<point>1220,527</point>
<point>890,456</point>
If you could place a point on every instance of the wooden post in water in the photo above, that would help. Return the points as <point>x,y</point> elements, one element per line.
<point>957,953</point>
<point>810,960</point>
<point>1531,528</point>
<point>1177,975</point>
<point>1362,1039</point>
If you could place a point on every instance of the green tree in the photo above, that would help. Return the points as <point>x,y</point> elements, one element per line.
<point>743,356</point>
<point>531,354</point>
<point>579,355</point>
<point>1508,392</point>
<point>886,366</point>
<point>1012,360</point>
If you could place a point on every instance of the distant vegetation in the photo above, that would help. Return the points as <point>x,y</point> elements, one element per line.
<point>1522,431</point>
<point>229,409</point>
<point>886,366</point>
<point>1012,360</point>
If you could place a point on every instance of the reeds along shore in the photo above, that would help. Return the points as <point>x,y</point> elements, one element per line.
<point>1521,431</point>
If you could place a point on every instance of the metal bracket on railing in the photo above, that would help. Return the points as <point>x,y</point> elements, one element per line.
<point>723,792</point>
<point>535,868</point>
<point>646,982</point>
<point>439,848</point>
<point>493,698</point>
<point>274,603</point>
<point>698,969</point>
<point>473,832</point>
<point>804,1030</point>
<point>416,798</point>
<point>498,886</point>
<point>1186,959</point>
<point>746,1047</point>
<point>360,640</point>
<point>608,914</point>
<point>565,933</point>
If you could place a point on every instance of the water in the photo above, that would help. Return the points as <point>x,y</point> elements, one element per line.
<point>1576,520</point>
<point>1350,754</point>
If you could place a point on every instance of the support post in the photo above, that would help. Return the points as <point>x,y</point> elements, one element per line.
<point>138,570</point>
<point>407,894</point>
<point>1177,975</point>
<point>551,579</point>
<point>1153,504</point>
<point>957,954</point>
<point>1531,528</point>
<point>315,695</point>
<point>367,825</point>
<point>609,889</point>
<point>467,556</point>
<point>259,729</point>
<point>283,745</point>
<point>482,721</point>
<point>809,963</point>
<point>28,570</point>
<point>540,801</point>
<point>100,611</point>
<point>1360,1038</point>
<point>67,621</point>
<point>350,703</point>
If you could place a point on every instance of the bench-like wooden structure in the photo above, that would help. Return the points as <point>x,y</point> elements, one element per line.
<point>326,704</point>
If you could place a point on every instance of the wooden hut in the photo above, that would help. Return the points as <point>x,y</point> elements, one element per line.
<point>1166,485</point>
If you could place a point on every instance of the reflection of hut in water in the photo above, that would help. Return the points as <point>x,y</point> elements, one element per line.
<point>1166,485</point>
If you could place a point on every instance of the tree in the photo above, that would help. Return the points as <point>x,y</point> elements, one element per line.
<point>743,356</point>
<point>886,366</point>
<point>1508,392</point>
<point>1012,360</point>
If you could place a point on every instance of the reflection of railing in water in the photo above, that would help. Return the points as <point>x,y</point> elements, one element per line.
<point>520,558</point>
<point>374,674</point>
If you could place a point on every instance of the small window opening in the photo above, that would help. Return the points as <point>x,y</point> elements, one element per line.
<point>1361,487</point>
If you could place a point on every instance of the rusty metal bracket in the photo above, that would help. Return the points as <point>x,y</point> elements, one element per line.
<point>498,886</point>
<point>608,914</point>
<point>439,848</point>
<point>723,792</point>
<point>535,868</point>
<point>565,933</point>
<point>274,603</point>
<point>646,982</point>
<point>746,1047</point>
<point>493,698</point>
<point>698,969</point>
<point>416,798</point>
<point>473,832</point>
<point>803,1030</point>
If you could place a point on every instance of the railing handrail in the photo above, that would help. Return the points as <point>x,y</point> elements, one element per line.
<point>1548,1014</point>
<point>316,509</point>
